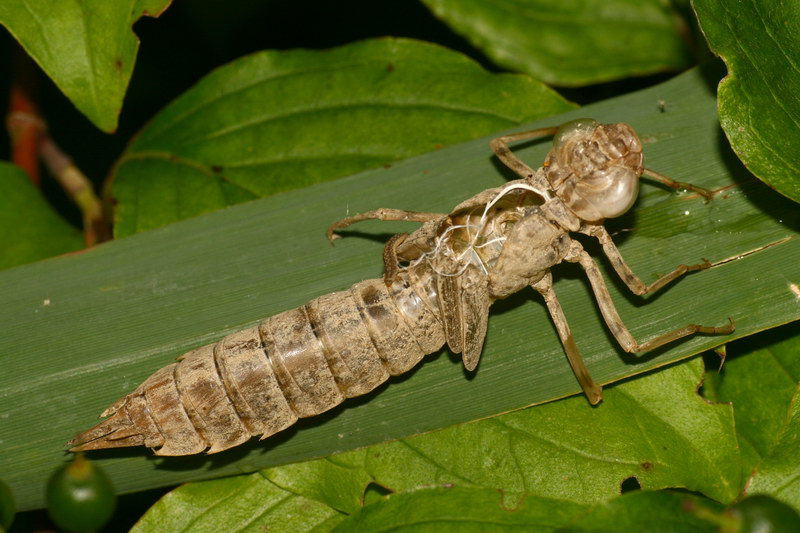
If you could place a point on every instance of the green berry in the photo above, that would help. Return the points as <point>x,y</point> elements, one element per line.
<point>80,496</point>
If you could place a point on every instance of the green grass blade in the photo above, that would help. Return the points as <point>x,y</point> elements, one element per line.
<point>83,330</point>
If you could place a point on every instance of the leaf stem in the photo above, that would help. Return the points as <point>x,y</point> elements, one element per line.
<point>79,189</point>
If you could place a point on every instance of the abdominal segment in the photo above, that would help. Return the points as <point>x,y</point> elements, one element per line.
<point>259,381</point>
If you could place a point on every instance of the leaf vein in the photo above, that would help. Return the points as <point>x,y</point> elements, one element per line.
<point>435,463</point>
<point>576,451</point>
<point>298,112</point>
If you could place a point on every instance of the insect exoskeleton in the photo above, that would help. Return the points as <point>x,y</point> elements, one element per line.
<point>259,381</point>
<point>438,286</point>
<point>594,168</point>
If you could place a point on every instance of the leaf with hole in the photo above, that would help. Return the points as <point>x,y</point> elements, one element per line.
<point>656,429</point>
<point>760,379</point>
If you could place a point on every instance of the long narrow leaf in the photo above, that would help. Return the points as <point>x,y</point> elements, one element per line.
<point>83,330</point>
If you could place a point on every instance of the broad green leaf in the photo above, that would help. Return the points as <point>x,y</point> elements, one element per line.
<point>758,106</point>
<point>654,512</point>
<point>124,309</point>
<point>236,504</point>
<point>571,43</point>
<point>87,47</point>
<point>275,121</point>
<point>458,509</point>
<point>338,483</point>
<point>779,473</point>
<point>434,509</point>
<point>29,228</point>
<point>759,380</point>
<point>656,429</point>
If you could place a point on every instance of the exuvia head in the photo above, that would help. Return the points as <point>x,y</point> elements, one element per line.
<point>594,168</point>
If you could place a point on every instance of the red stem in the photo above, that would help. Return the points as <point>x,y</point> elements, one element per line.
<point>24,121</point>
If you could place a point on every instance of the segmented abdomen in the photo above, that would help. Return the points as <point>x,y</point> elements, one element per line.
<point>260,380</point>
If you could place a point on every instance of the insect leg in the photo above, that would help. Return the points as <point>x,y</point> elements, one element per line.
<point>504,153</point>
<point>669,182</point>
<point>592,390</point>
<point>624,337</point>
<point>384,213</point>
<point>391,261</point>
<point>633,282</point>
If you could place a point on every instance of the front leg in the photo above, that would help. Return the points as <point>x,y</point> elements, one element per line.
<point>504,153</point>
<point>707,195</point>
<point>384,213</point>
<point>625,273</point>
<point>624,337</point>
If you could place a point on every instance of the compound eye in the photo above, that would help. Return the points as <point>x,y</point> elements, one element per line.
<point>573,129</point>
